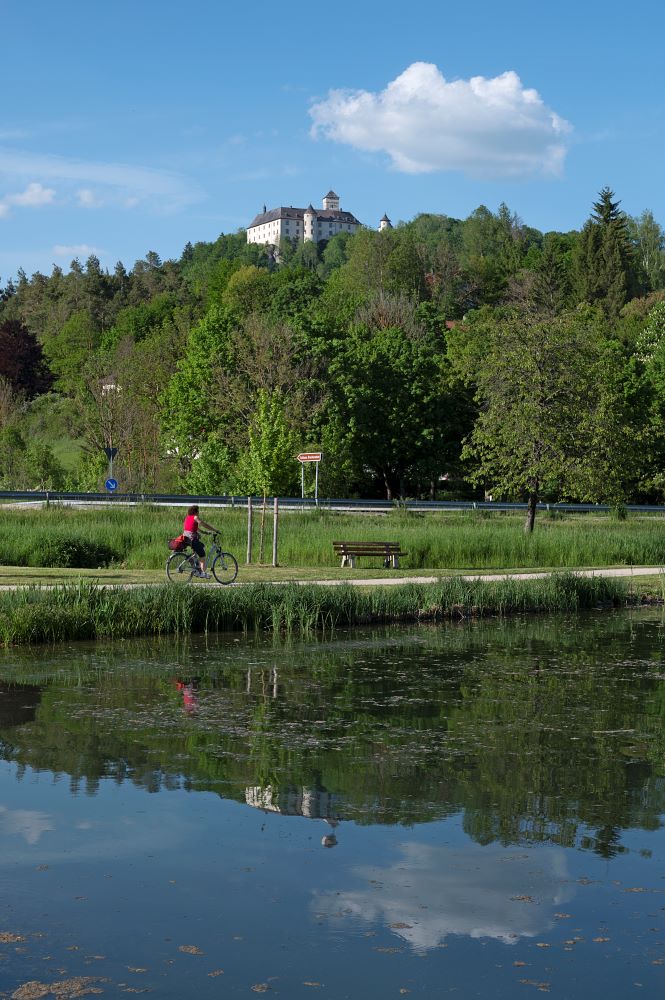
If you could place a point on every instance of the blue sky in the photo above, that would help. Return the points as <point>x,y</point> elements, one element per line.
<point>138,126</point>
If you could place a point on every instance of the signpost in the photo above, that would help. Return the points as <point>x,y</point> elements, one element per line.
<point>304,458</point>
<point>110,454</point>
<point>111,484</point>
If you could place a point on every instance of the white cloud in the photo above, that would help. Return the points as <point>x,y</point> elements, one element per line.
<point>115,182</point>
<point>76,250</point>
<point>34,196</point>
<point>478,892</point>
<point>27,823</point>
<point>87,198</point>
<point>488,127</point>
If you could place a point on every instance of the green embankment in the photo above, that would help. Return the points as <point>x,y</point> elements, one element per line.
<point>88,611</point>
<point>132,541</point>
<point>135,538</point>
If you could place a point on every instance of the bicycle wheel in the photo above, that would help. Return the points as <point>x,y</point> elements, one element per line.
<point>225,567</point>
<point>179,569</point>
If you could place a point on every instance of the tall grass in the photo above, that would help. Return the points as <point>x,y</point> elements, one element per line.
<point>87,611</point>
<point>136,538</point>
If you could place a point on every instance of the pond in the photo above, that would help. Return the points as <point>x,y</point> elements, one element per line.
<point>474,810</point>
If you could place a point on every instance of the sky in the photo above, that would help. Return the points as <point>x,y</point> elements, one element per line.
<point>139,126</point>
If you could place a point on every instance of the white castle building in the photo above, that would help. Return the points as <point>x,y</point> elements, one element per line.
<point>304,224</point>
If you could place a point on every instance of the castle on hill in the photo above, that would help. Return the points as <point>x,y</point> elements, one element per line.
<point>303,224</point>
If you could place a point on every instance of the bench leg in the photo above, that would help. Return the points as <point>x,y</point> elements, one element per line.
<point>349,560</point>
<point>395,562</point>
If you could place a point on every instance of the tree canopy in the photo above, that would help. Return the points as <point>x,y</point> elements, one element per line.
<point>440,357</point>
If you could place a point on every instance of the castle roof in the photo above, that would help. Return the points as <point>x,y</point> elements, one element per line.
<point>331,194</point>
<point>328,214</point>
<point>336,215</point>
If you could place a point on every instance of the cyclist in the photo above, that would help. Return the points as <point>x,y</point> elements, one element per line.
<point>190,530</point>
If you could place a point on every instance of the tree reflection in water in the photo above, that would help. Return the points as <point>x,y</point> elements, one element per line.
<point>547,731</point>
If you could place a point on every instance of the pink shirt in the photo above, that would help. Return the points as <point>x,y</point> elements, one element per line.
<point>191,525</point>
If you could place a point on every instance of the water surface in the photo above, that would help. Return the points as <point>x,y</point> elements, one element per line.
<point>474,810</point>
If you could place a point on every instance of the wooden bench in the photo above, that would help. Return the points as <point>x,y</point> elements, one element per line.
<point>388,551</point>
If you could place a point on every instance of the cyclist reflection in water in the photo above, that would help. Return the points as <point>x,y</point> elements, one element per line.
<point>190,530</point>
<point>190,694</point>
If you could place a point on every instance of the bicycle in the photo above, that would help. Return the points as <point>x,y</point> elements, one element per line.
<point>183,567</point>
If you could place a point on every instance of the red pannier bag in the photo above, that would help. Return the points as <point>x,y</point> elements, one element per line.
<point>177,544</point>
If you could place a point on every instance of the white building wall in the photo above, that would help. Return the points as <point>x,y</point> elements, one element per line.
<point>309,228</point>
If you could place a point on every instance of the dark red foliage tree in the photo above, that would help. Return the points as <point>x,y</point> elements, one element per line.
<point>21,360</point>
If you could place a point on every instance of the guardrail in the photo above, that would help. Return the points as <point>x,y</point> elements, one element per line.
<point>297,503</point>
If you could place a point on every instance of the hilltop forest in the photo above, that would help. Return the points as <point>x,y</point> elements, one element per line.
<point>439,358</point>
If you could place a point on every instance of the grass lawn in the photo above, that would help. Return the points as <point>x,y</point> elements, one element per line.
<point>650,586</point>
<point>130,543</point>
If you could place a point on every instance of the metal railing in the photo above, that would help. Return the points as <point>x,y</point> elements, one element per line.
<point>297,503</point>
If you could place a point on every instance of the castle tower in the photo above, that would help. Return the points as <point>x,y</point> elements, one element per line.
<point>309,223</point>
<point>385,223</point>
<point>331,202</point>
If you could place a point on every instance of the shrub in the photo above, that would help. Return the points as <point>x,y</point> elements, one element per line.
<point>72,553</point>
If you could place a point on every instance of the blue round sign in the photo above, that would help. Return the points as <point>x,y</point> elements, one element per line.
<point>111,484</point>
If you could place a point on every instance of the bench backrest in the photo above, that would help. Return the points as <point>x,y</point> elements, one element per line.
<point>389,548</point>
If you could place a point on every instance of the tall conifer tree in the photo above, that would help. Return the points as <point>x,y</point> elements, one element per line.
<point>605,266</point>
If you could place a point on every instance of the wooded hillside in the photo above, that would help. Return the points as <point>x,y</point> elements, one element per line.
<point>443,357</point>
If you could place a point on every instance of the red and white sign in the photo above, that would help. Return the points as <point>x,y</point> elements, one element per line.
<point>310,456</point>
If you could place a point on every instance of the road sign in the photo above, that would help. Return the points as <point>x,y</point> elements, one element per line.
<point>310,456</point>
<point>111,485</point>
<point>110,452</point>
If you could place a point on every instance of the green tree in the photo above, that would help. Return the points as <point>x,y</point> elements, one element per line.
<point>213,471</point>
<point>334,254</point>
<point>306,255</point>
<point>248,290</point>
<point>10,403</point>
<point>544,284</point>
<point>25,463</point>
<point>604,265</point>
<point>268,466</point>
<point>647,398</point>
<point>138,321</point>
<point>295,292</point>
<point>188,410</point>
<point>69,350</point>
<point>391,411</point>
<point>542,425</point>
<point>649,241</point>
<point>218,280</point>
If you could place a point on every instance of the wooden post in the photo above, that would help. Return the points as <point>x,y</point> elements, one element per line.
<point>249,530</point>
<point>275,524</point>
<point>262,532</point>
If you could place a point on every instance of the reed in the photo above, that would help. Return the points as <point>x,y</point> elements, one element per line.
<point>86,611</point>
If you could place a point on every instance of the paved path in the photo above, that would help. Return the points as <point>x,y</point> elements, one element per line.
<point>394,581</point>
